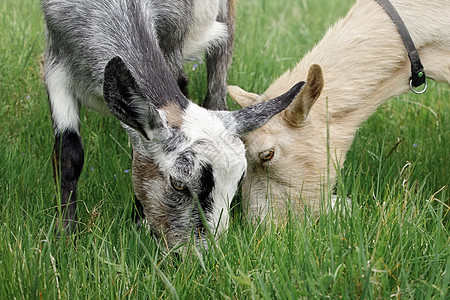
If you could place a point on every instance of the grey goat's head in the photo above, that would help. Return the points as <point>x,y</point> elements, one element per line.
<point>186,159</point>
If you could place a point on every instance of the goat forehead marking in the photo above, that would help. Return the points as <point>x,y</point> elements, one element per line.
<point>174,114</point>
<point>206,126</point>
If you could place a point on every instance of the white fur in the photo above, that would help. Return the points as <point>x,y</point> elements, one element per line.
<point>63,103</point>
<point>204,31</point>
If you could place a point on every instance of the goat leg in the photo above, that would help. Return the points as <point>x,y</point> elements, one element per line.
<point>68,160</point>
<point>218,61</point>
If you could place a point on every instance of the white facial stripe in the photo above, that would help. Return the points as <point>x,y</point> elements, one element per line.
<point>63,103</point>
<point>225,153</point>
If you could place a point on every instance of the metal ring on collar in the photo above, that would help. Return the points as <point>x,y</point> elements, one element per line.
<point>416,91</point>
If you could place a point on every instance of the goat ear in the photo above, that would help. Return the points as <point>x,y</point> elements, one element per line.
<point>297,112</point>
<point>253,117</point>
<point>242,97</point>
<point>125,100</point>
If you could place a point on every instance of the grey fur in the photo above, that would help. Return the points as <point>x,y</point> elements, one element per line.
<point>84,35</point>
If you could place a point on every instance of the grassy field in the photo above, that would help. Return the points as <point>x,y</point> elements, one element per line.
<point>395,244</point>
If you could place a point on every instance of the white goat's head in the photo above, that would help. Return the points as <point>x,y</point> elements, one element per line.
<point>185,158</point>
<point>285,156</point>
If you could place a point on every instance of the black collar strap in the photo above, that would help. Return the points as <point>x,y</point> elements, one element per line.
<point>418,74</point>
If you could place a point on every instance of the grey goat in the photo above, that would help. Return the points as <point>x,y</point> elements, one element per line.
<point>125,57</point>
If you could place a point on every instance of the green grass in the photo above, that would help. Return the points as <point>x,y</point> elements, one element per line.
<point>395,244</point>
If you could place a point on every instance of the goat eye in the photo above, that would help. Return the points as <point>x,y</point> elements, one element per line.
<point>266,155</point>
<point>177,185</point>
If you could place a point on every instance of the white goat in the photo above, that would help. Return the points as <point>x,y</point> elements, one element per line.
<point>364,63</point>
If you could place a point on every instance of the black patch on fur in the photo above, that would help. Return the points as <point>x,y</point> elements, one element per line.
<point>68,161</point>
<point>207,185</point>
